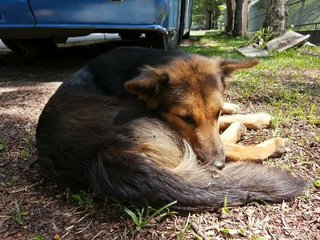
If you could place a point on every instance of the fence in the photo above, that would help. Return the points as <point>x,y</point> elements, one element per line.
<point>303,15</point>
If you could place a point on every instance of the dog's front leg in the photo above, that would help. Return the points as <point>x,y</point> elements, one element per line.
<point>270,148</point>
<point>251,120</point>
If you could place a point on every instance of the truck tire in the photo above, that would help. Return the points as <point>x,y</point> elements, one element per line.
<point>30,47</point>
<point>168,41</point>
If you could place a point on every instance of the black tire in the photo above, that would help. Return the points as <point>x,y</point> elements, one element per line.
<point>13,45</point>
<point>130,35</point>
<point>30,47</point>
<point>172,40</point>
<point>186,36</point>
<point>169,41</point>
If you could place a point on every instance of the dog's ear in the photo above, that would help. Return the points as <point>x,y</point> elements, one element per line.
<point>148,85</point>
<point>228,67</point>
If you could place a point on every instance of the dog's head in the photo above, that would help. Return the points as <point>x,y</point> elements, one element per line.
<point>188,93</point>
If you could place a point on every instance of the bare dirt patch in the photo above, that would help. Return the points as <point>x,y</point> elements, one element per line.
<point>31,206</point>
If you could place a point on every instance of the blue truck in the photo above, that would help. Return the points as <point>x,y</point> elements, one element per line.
<point>34,24</point>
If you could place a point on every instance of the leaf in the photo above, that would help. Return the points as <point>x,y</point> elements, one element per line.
<point>316,183</point>
<point>2,146</point>
<point>132,215</point>
<point>228,231</point>
<point>260,238</point>
<point>158,212</point>
<point>225,210</point>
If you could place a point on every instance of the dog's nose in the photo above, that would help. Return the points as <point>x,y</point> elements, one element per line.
<point>219,159</point>
<point>219,164</point>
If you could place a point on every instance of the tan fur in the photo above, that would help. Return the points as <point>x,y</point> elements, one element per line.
<point>251,121</point>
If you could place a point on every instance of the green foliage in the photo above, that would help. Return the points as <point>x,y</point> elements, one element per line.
<point>84,199</point>
<point>201,8</point>
<point>233,232</point>
<point>262,36</point>
<point>316,183</point>
<point>225,210</point>
<point>37,237</point>
<point>18,214</point>
<point>183,232</point>
<point>142,216</point>
<point>259,238</point>
<point>3,145</point>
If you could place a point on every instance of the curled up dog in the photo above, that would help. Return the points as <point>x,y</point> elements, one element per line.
<point>142,125</point>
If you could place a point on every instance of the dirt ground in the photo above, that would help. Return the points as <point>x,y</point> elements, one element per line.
<point>34,208</point>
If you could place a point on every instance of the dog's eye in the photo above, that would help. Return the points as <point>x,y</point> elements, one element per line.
<point>188,120</point>
<point>218,114</point>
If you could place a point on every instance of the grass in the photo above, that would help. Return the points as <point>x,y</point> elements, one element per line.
<point>225,209</point>
<point>18,214</point>
<point>84,199</point>
<point>3,145</point>
<point>37,237</point>
<point>143,216</point>
<point>26,152</point>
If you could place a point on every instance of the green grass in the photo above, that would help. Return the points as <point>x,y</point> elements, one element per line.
<point>225,209</point>
<point>37,237</point>
<point>143,216</point>
<point>215,45</point>
<point>18,214</point>
<point>84,199</point>
<point>3,145</point>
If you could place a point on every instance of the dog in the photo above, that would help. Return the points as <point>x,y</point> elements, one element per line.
<point>142,125</point>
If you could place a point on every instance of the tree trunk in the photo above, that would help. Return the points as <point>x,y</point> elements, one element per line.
<point>209,20</point>
<point>230,17</point>
<point>245,18</point>
<point>276,16</point>
<point>237,30</point>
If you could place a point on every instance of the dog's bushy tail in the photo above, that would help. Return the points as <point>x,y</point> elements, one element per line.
<point>136,180</point>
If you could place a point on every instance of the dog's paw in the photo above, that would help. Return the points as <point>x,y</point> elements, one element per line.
<point>230,108</point>
<point>242,129</point>
<point>282,145</point>
<point>261,120</point>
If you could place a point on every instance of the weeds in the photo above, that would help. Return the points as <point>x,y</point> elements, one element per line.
<point>225,210</point>
<point>26,152</point>
<point>3,145</point>
<point>142,216</point>
<point>233,232</point>
<point>262,36</point>
<point>37,238</point>
<point>18,214</point>
<point>186,228</point>
<point>84,199</point>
